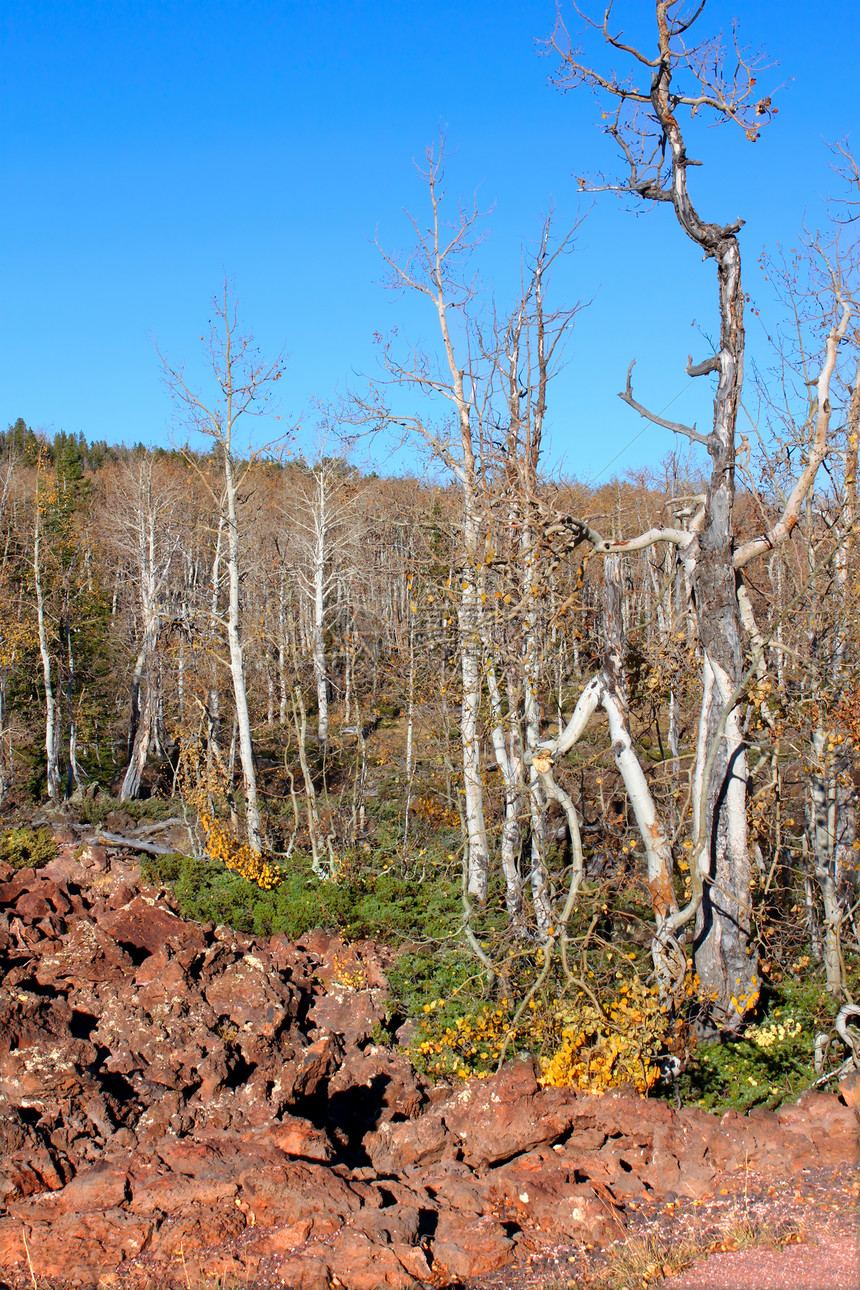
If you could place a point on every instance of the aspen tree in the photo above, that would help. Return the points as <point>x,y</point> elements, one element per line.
<point>642,119</point>
<point>488,373</point>
<point>141,506</point>
<point>243,388</point>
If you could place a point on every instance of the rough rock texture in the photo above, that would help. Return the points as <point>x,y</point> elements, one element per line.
<point>179,1099</point>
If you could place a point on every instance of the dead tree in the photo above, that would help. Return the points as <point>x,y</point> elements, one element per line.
<point>643,120</point>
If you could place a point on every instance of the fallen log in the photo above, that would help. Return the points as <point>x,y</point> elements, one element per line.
<point>133,844</point>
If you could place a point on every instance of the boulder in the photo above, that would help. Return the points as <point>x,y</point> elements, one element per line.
<point>470,1246</point>
<point>145,925</point>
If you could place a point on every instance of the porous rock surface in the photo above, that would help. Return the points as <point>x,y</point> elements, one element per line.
<point>179,1100</point>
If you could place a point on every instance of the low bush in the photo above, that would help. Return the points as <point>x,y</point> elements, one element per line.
<point>391,906</point>
<point>604,1046</point>
<point>95,810</point>
<point>593,1040</point>
<point>26,848</point>
<point>774,1060</point>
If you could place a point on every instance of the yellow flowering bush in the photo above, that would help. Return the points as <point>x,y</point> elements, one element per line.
<point>351,974</point>
<point>590,1047</point>
<point>604,1047</point>
<point>770,1036</point>
<point>237,856</point>
<point>471,1045</point>
<point>203,785</point>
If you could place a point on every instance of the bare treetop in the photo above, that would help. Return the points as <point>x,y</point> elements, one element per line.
<point>714,75</point>
<point>243,380</point>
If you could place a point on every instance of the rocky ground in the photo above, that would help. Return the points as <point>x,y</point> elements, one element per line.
<point>180,1102</point>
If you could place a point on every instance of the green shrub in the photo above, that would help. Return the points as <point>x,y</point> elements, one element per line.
<point>26,848</point>
<point>95,810</point>
<point>773,1061</point>
<point>421,977</point>
<point>391,906</point>
<point>154,809</point>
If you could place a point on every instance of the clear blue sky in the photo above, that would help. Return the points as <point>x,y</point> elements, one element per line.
<point>150,148</point>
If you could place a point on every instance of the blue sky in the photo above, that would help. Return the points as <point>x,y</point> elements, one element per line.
<point>148,149</point>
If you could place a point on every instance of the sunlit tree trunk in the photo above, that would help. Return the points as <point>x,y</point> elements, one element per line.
<point>237,669</point>
<point>52,713</point>
<point>242,387</point>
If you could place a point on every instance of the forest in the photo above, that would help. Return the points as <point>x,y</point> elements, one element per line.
<point>585,754</point>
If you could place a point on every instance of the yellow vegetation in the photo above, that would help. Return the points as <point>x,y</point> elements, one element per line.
<point>237,856</point>
<point>589,1046</point>
<point>604,1047</point>
<point>202,786</point>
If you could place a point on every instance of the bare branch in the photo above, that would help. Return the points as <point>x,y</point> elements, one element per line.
<point>677,426</point>
<point>711,364</point>
<point>779,531</point>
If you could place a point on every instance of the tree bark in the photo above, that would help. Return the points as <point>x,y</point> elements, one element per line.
<point>237,670</point>
<point>52,713</point>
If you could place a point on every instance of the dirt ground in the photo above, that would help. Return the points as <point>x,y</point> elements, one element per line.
<point>752,1234</point>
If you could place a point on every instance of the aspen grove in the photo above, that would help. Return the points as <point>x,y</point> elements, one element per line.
<point>607,732</point>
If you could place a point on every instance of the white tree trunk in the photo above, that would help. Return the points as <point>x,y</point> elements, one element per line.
<point>52,715</point>
<point>237,671</point>
<point>5,745</point>
<point>828,822</point>
<point>473,788</point>
<point>613,698</point>
<point>510,768</point>
<point>531,675</point>
<point>319,557</point>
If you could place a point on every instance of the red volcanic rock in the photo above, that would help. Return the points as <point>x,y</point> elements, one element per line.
<point>451,1185</point>
<point>249,995</point>
<point>294,1137</point>
<point>364,1264</point>
<point>95,1190</point>
<point>15,884</point>
<point>210,1104</point>
<point>501,1117</point>
<point>305,1076</point>
<point>66,868</point>
<point>145,925</point>
<point>389,1224</point>
<point>85,954</point>
<point>310,1272</point>
<point>169,1194</point>
<point>353,1014</point>
<point>392,1147</point>
<point>73,1246</point>
<point>361,964</point>
<point>469,1246</point>
<point>282,1194</point>
<point>849,1088</point>
<point>199,1228</point>
<point>32,905</point>
<point>543,1192</point>
<point>383,1080</point>
<point>93,857</point>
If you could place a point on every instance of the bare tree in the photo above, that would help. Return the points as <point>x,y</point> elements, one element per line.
<point>141,507</point>
<point>493,374</point>
<point>320,526</point>
<point>811,400</point>
<point>643,120</point>
<point>432,271</point>
<point>52,705</point>
<point>243,387</point>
